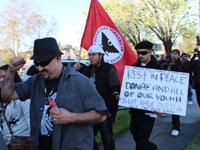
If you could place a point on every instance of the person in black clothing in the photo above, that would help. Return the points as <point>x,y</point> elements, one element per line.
<point>195,69</point>
<point>186,63</point>
<point>175,65</point>
<point>167,61</point>
<point>142,121</point>
<point>105,78</point>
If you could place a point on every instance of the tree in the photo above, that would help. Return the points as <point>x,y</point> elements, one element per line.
<point>122,13</point>
<point>189,41</point>
<point>42,27</point>
<point>167,19</point>
<point>9,55</point>
<point>84,53</point>
<point>20,24</point>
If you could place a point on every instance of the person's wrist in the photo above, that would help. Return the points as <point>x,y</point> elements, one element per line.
<point>12,71</point>
<point>117,97</point>
<point>73,118</point>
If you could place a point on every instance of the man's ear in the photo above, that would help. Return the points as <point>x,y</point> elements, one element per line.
<point>58,57</point>
<point>151,51</point>
<point>101,55</point>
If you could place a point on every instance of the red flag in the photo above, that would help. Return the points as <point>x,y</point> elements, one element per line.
<point>100,30</point>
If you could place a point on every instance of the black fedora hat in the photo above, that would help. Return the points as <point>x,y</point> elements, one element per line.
<point>45,48</point>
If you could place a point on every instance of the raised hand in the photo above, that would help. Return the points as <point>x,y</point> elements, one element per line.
<point>16,63</point>
<point>77,66</point>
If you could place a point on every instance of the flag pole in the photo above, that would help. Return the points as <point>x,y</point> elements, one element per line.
<point>79,54</point>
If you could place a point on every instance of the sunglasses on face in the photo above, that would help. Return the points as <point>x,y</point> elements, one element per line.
<point>143,52</point>
<point>43,63</point>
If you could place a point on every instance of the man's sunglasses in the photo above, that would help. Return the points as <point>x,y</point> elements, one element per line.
<point>143,52</point>
<point>43,63</point>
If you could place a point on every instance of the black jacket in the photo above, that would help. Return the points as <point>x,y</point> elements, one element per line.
<point>102,82</point>
<point>195,69</point>
<point>177,66</point>
<point>153,64</point>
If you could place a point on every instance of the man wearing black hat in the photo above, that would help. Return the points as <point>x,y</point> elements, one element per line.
<point>142,121</point>
<point>67,125</point>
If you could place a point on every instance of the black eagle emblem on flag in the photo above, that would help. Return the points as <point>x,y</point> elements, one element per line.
<point>107,45</point>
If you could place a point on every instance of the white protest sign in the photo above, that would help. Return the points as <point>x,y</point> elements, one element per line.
<point>155,90</point>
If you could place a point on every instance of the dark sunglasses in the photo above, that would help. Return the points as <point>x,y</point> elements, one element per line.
<point>43,63</point>
<point>143,53</point>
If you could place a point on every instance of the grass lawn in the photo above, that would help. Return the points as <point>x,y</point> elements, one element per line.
<point>122,123</point>
<point>195,144</point>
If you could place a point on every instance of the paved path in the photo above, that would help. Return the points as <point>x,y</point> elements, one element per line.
<point>190,126</point>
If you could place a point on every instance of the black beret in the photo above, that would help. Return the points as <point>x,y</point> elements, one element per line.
<point>144,45</point>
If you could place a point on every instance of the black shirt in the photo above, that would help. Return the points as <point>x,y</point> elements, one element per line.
<point>45,138</point>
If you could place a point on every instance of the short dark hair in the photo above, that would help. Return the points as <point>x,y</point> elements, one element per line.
<point>184,54</point>
<point>176,51</point>
<point>17,77</point>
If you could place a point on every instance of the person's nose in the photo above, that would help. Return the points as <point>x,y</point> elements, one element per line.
<point>39,68</point>
<point>140,55</point>
<point>1,78</point>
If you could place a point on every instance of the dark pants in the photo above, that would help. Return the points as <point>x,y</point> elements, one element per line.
<point>190,93</point>
<point>197,89</point>
<point>141,127</point>
<point>106,131</point>
<point>176,122</point>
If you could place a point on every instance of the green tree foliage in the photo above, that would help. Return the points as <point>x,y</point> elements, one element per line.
<point>189,41</point>
<point>166,19</point>
<point>84,53</point>
<point>126,17</point>
<point>9,55</point>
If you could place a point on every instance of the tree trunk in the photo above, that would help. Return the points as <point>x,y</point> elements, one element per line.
<point>131,40</point>
<point>168,47</point>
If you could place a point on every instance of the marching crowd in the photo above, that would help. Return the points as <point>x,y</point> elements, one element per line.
<point>85,100</point>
